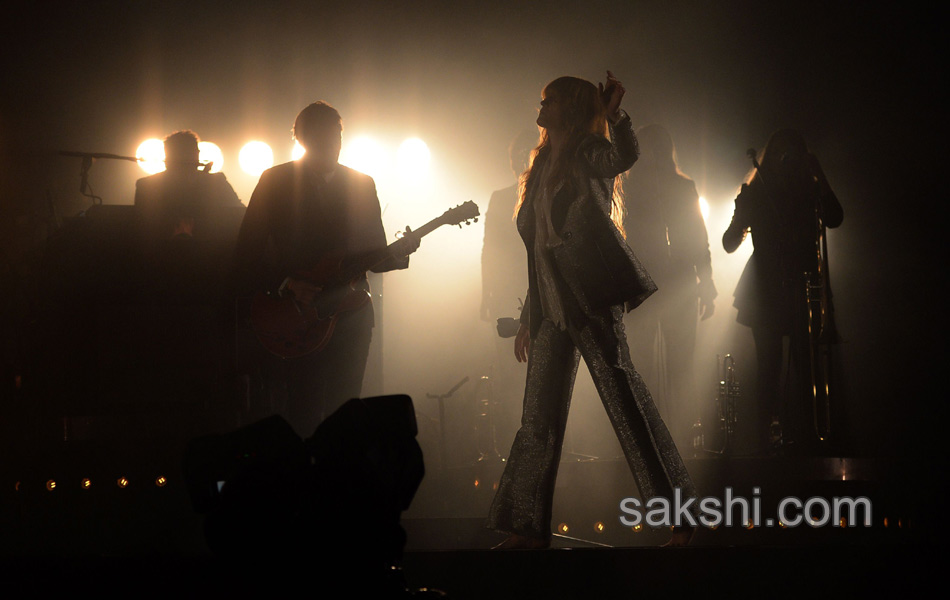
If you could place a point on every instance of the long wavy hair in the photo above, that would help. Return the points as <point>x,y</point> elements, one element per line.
<point>780,144</point>
<point>585,115</point>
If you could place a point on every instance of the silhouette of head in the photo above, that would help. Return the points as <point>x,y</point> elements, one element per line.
<point>319,129</point>
<point>181,151</point>
<point>656,149</point>
<point>785,152</point>
<point>572,105</point>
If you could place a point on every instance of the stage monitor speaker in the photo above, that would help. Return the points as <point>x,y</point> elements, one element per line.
<point>266,492</point>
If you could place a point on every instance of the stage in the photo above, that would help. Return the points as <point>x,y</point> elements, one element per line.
<point>118,514</point>
<point>825,571</point>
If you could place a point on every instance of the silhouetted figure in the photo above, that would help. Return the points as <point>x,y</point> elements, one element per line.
<point>665,227</point>
<point>581,274</point>
<point>785,204</point>
<point>174,199</point>
<point>504,275</point>
<point>503,270</point>
<point>303,214</point>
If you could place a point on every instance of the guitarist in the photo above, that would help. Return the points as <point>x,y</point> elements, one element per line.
<point>300,213</point>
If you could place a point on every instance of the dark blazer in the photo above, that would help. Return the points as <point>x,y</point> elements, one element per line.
<point>784,233</point>
<point>292,222</point>
<point>185,193</point>
<point>593,261</point>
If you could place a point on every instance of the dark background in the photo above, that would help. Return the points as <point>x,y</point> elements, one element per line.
<point>860,81</point>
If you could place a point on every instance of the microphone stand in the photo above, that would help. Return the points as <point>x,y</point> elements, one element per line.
<point>441,398</point>
<point>88,158</point>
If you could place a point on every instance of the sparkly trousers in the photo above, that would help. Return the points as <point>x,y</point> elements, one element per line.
<point>526,491</point>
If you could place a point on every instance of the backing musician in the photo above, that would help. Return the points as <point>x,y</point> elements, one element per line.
<point>786,204</point>
<point>300,213</point>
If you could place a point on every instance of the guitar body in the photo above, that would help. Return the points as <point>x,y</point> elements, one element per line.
<point>290,329</point>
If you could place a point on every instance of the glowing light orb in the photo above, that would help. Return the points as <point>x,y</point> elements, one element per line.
<point>151,156</point>
<point>122,482</point>
<point>413,157</point>
<point>255,158</point>
<point>160,481</point>
<point>210,152</point>
<point>86,483</point>
<point>51,485</point>
<point>298,151</point>
<point>365,155</point>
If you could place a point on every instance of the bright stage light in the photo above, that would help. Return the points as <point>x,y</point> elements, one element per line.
<point>413,157</point>
<point>298,151</point>
<point>151,155</point>
<point>209,152</point>
<point>255,158</point>
<point>365,155</point>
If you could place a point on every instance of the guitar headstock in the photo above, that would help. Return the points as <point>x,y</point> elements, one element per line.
<point>467,212</point>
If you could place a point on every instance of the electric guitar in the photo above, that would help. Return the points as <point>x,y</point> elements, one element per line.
<point>289,328</point>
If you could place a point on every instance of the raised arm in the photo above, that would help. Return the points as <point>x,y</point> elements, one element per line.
<point>739,226</point>
<point>606,159</point>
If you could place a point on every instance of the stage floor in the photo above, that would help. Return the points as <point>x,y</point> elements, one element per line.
<point>843,571</point>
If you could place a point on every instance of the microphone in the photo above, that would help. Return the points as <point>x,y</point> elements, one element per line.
<point>97,155</point>
<point>508,327</point>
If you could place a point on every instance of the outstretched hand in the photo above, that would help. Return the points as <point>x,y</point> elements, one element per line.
<point>611,94</point>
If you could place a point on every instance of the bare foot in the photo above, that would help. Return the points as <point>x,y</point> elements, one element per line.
<point>681,537</point>
<point>521,542</point>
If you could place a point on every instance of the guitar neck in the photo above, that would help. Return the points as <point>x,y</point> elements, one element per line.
<point>377,257</point>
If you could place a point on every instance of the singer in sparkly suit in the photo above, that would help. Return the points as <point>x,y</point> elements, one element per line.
<point>581,276</point>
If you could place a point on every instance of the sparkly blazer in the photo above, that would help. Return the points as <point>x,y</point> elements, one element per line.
<point>593,262</point>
